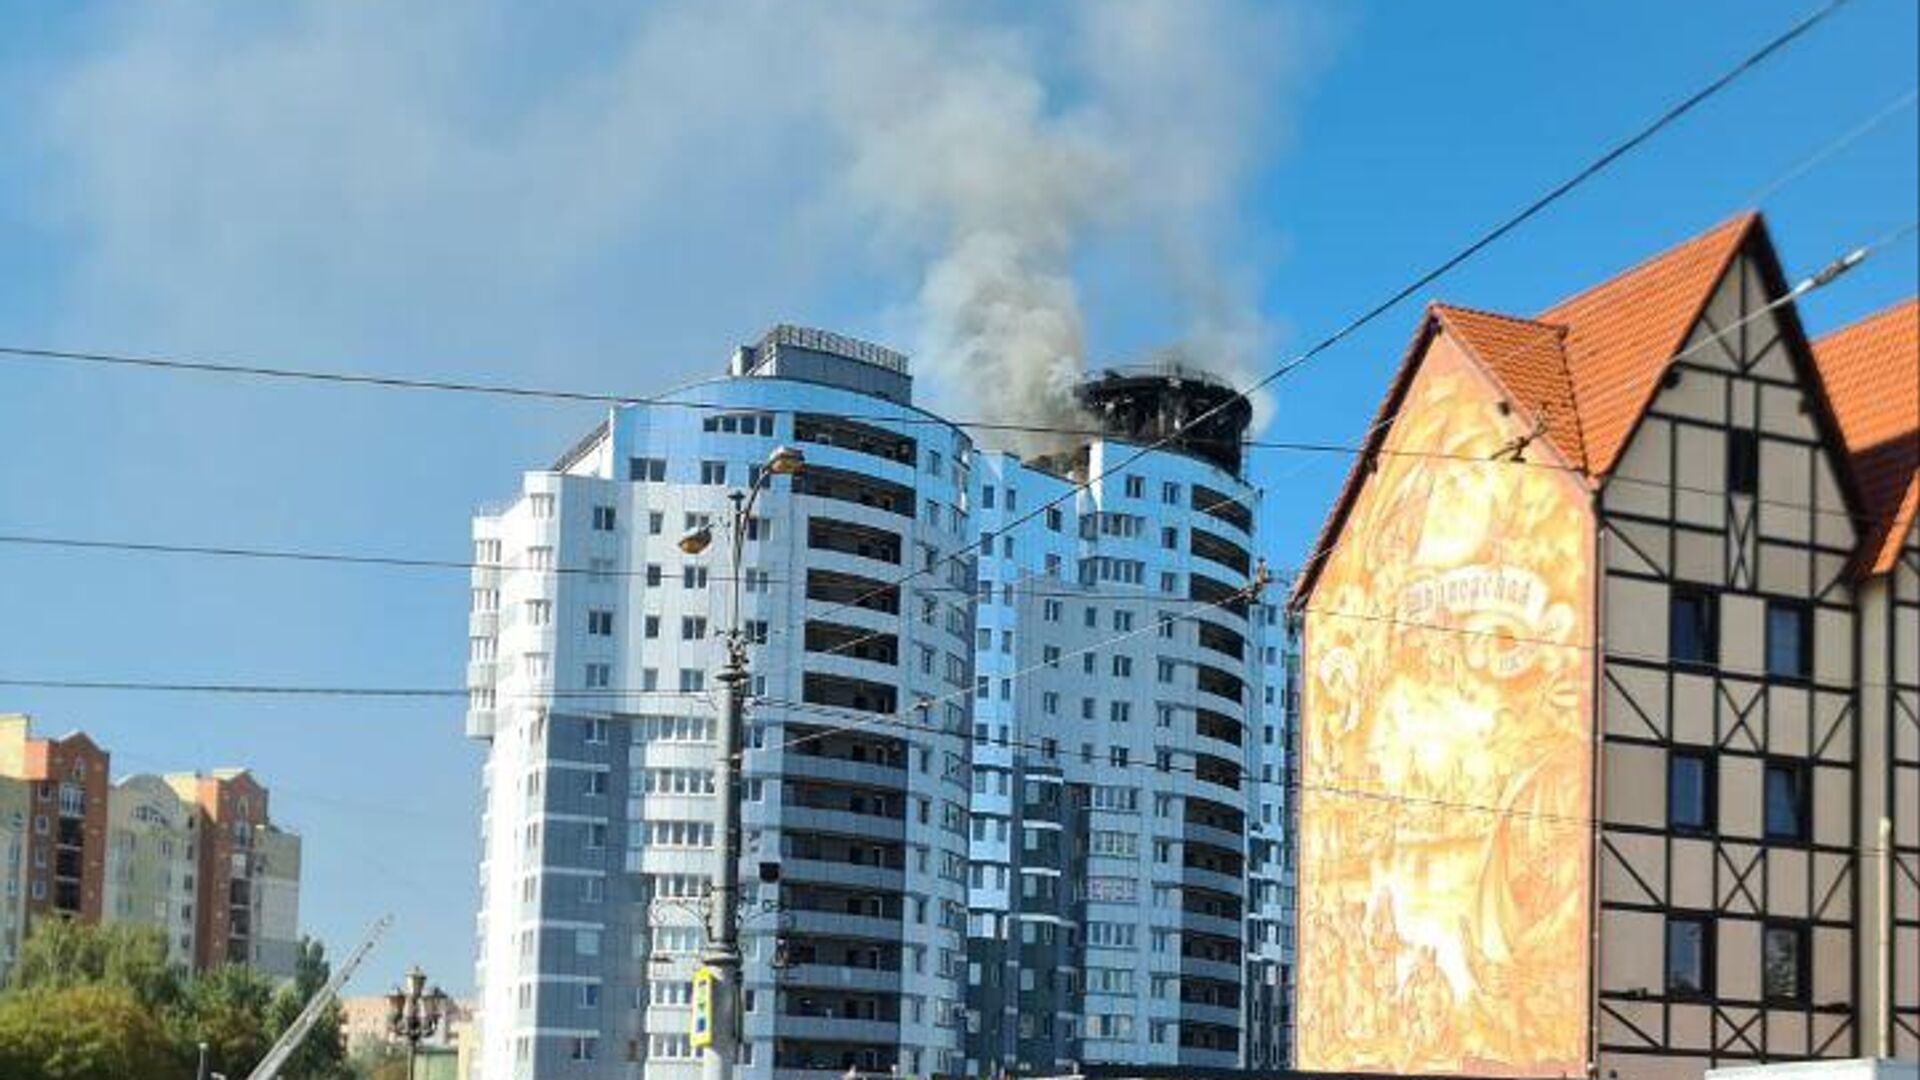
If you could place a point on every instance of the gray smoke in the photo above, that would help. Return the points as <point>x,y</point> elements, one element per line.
<point>1002,171</point>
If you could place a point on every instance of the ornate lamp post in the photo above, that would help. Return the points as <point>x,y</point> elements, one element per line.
<point>723,931</point>
<point>415,1013</point>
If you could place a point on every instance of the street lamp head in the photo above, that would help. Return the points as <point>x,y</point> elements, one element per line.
<point>696,540</point>
<point>785,461</point>
<point>437,1003</point>
<point>416,982</point>
<point>396,1008</point>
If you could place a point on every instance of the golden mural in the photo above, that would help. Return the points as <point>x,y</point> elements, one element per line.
<point>1446,773</point>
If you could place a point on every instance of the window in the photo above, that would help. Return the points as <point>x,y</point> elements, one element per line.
<point>1783,962</point>
<point>1692,631</point>
<point>986,496</point>
<point>1123,667</point>
<point>1743,462</point>
<point>1050,703</point>
<point>600,623</point>
<point>1050,655</point>
<point>1170,493</point>
<point>599,676</point>
<point>692,679</point>
<point>1689,956</point>
<point>603,519</point>
<point>1119,711</point>
<point>1690,791</point>
<point>1789,640</point>
<point>693,627</point>
<point>713,473</point>
<point>1123,620</point>
<point>1170,538</point>
<point>1053,518</point>
<point>1136,487</point>
<point>693,577</point>
<point>656,523</point>
<point>1786,800</point>
<point>585,1047</point>
<point>1050,611</point>
<point>653,574</point>
<point>651,626</point>
<point>589,997</point>
<point>540,505</point>
<point>595,783</point>
<point>597,731</point>
<point>539,612</point>
<point>647,470</point>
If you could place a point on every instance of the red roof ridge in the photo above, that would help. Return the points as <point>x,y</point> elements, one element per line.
<point>1742,220</point>
<point>1869,371</point>
<point>1468,309</point>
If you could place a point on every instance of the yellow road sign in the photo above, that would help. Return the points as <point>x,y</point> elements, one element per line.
<point>701,1031</point>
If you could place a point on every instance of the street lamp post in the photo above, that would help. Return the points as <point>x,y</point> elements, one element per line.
<point>723,930</point>
<point>415,1013</point>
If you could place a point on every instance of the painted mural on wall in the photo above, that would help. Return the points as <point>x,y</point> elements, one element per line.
<point>1446,776</point>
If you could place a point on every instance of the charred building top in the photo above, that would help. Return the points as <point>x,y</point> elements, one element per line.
<point>1168,402</point>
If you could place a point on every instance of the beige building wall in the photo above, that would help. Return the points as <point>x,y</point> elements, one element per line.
<point>150,861</point>
<point>1673,526</point>
<point>15,803</point>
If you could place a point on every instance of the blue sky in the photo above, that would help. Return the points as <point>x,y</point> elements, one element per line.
<point>613,202</point>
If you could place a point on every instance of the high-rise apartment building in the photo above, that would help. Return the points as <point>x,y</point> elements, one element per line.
<point>1121,703</point>
<point>195,856</point>
<point>1611,673</point>
<point>999,815</point>
<point>592,657</point>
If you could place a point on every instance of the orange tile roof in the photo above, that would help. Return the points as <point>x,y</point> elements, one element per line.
<point>1529,359</point>
<point>1871,371</point>
<point>1590,365</point>
<point>1622,332</point>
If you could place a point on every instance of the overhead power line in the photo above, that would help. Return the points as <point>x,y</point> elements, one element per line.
<point>1422,280</point>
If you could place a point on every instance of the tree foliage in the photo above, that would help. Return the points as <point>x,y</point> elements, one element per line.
<point>83,1032</point>
<point>86,1001</point>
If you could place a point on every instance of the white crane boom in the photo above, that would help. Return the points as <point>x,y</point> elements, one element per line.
<point>276,1058</point>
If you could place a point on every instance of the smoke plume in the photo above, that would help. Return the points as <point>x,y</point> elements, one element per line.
<point>1004,173</point>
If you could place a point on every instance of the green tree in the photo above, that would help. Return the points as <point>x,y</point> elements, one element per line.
<point>62,953</point>
<point>227,1009</point>
<point>322,1055</point>
<point>97,1032</point>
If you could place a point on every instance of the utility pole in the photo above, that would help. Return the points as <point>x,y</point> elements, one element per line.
<point>720,1028</point>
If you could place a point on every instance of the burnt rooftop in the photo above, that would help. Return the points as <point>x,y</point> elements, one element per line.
<point>1146,405</point>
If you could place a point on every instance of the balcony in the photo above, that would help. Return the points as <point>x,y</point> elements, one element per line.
<point>831,587</point>
<point>1205,590</point>
<point>848,538</point>
<point>839,639</point>
<point>1222,552</point>
<point>842,692</point>
<point>1212,635</point>
<point>1219,682</point>
<point>826,482</point>
<point>822,430</point>
<point>1222,507</point>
